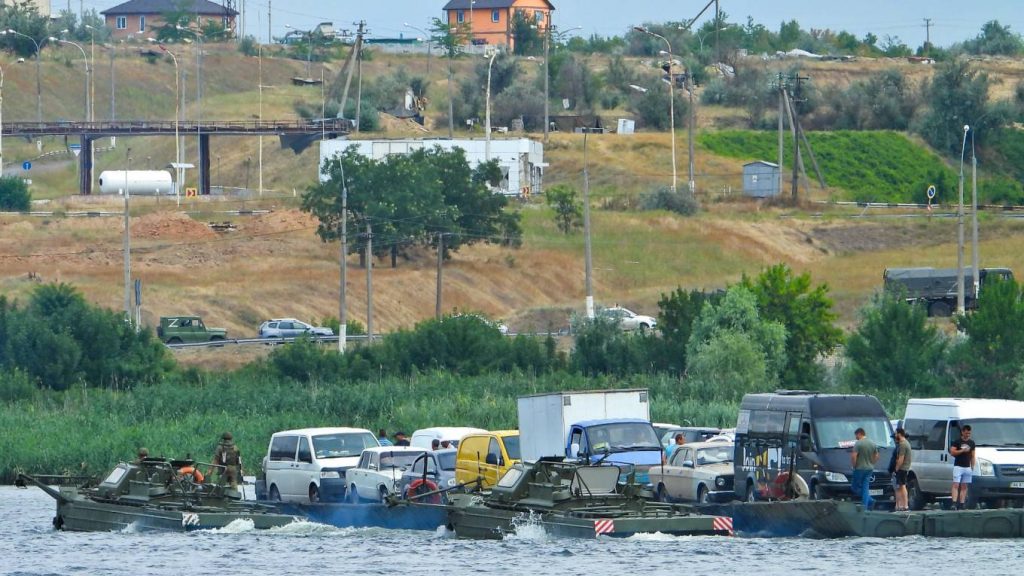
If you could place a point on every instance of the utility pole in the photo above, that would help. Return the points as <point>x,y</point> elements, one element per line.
<point>960,231</point>
<point>359,85</point>
<point>547,93</point>
<point>127,246</point>
<point>975,270</point>
<point>588,266</point>
<point>782,127</point>
<point>927,36</point>
<point>369,281</point>
<point>113,100</point>
<point>270,15</point>
<point>440,267</point>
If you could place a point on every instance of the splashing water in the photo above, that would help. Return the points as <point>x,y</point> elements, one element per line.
<point>527,526</point>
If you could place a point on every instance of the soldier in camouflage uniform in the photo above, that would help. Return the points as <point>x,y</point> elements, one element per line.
<point>228,461</point>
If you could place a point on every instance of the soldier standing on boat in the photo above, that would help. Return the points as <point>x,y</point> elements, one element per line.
<point>228,461</point>
<point>904,457</point>
<point>862,459</point>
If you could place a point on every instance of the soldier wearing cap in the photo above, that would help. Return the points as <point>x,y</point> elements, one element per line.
<point>142,455</point>
<point>228,461</point>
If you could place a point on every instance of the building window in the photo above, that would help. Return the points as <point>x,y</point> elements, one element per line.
<point>495,16</point>
<point>460,16</point>
<point>122,22</point>
<point>538,15</point>
<point>142,23</point>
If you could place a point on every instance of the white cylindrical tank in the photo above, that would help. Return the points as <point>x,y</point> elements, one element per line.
<point>138,182</point>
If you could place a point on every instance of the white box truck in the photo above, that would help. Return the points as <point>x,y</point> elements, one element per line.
<point>607,426</point>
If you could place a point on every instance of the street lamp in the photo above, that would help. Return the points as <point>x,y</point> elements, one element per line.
<point>309,53</point>
<point>1,122</point>
<point>671,98</point>
<point>177,120</point>
<point>39,87</point>
<point>199,99</point>
<point>88,71</point>
<point>960,231</point>
<point>587,262</point>
<point>429,38</point>
<point>487,120</point>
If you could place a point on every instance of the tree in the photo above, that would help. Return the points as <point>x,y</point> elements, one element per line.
<point>568,209</point>
<point>677,313</point>
<point>996,40</point>
<point>895,349</point>
<point>450,39</point>
<point>733,349</point>
<point>14,194</point>
<point>807,315</point>
<point>174,20</point>
<point>24,17</point>
<point>992,354</point>
<point>526,36</point>
<point>958,95</point>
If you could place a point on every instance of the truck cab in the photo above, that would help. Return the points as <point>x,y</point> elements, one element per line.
<point>623,441</point>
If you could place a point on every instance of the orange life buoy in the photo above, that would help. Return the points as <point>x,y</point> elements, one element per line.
<point>197,476</point>
<point>424,486</point>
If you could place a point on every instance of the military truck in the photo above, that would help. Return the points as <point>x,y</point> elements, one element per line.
<point>187,330</point>
<point>936,287</point>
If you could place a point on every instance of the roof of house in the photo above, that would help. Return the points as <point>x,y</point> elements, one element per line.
<point>204,7</point>
<point>485,4</point>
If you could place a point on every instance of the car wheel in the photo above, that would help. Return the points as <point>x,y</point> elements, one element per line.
<point>916,499</point>
<point>275,494</point>
<point>314,493</point>
<point>817,493</point>
<point>940,309</point>
<point>751,495</point>
<point>702,495</point>
<point>644,328</point>
<point>174,340</point>
<point>353,495</point>
<point>662,494</point>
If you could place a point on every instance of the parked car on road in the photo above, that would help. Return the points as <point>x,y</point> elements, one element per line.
<point>431,471</point>
<point>698,472</point>
<point>627,319</point>
<point>486,456</point>
<point>378,473</point>
<point>290,328</point>
<point>186,330</point>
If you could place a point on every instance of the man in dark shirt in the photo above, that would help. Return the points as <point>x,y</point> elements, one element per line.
<point>962,451</point>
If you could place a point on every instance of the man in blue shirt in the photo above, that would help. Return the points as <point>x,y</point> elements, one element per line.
<point>382,437</point>
<point>679,441</point>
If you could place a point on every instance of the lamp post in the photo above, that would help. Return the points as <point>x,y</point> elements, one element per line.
<point>429,39</point>
<point>671,97</point>
<point>177,120</point>
<point>39,86</point>
<point>587,263</point>
<point>1,122</point>
<point>960,231</point>
<point>487,120</point>
<point>199,99</point>
<point>88,71</point>
<point>547,76</point>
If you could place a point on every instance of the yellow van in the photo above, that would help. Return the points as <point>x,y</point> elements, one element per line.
<point>486,455</point>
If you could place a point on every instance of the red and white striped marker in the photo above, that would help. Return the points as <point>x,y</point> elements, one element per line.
<point>722,524</point>
<point>606,526</point>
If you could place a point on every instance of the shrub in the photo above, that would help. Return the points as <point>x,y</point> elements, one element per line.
<point>14,194</point>
<point>15,385</point>
<point>249,46</point>
<point>664,198</point>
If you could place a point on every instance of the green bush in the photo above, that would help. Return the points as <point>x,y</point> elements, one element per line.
<point>15,385</point>
<point>664,198</point>
<point>249,46</point>
<point>14,194</point>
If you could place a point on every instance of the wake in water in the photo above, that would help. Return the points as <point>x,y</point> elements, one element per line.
<point>527,527</point>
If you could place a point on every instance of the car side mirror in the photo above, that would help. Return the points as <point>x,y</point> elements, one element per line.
<point>372,466</point>
<point>575,449</point>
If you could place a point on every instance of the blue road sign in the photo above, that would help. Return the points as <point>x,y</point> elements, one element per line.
<point>931,192</point>
<point>26,165</point>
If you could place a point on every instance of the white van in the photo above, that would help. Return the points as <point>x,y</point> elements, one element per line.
<point>997,428</point>
<point>423,438</point>
<point>309,465</point>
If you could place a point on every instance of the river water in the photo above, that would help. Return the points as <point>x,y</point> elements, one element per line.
<point>29,546</point>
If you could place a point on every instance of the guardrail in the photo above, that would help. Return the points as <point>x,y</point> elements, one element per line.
<point>319,339</point>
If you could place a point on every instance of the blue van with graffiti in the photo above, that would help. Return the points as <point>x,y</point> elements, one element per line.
<point>792,433</point>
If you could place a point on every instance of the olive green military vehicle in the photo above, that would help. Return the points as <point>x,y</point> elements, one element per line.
<point>187,330</point>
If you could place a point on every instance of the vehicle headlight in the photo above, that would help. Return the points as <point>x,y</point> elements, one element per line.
<point>720,482</point>
<point>836,477</point>
<point>985,468</point>
<point>329,474</point>
<point>451,482</point>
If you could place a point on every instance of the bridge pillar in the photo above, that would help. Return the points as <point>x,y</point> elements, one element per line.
<point>204,164</point>
<point>85,166</point>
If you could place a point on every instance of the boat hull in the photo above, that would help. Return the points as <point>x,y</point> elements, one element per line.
<point>84,515</point>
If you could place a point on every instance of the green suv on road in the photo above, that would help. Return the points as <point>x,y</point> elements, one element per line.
<point>187,330</point>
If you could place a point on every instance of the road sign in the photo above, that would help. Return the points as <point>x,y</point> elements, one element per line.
<point>26,166</point>
<point>76,148</point>
<point>191,192</point>
<point>931,192</point>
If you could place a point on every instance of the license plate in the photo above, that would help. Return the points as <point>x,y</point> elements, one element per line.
<point>877,492</point>
<point>1016,484</point>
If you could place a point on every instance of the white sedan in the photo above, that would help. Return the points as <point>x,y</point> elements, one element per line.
<point>627,319</point>
<point>379,472</point>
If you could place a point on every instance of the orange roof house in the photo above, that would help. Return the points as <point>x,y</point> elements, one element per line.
<point>490,21</point>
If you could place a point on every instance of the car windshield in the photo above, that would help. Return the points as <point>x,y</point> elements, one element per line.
<point>512,447</point>
<point>838,432</point>
<point>623,437</point>
<point>342,445</point>
<point>403,459</point>
<point>715,455</point>
<point>446,460</point>
<point>1000,432</point>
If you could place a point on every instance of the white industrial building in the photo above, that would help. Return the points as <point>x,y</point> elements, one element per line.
<point>521,160</point>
